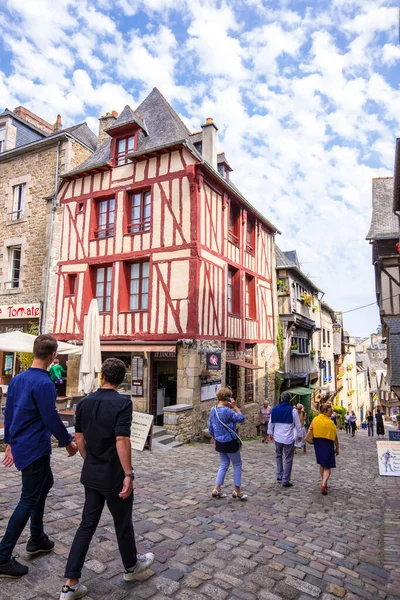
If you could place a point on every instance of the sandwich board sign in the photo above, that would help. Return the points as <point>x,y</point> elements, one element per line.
<point>141,430</point>
<point>388,458</point>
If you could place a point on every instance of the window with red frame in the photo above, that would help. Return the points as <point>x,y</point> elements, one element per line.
<point>124,147</point>
<point>250,297</point>
<point>234,224</point>
<point>105,218</point>
<point>233,291</point>
<point>139,286</point>
<point>70,285</point>
<point>140,212</point>
<point>250,234</point>
<point>103,279</point>
<point>249,376</point>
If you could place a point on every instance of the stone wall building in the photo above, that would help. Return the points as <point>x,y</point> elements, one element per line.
<point>181,264</point>
<point>33,156</point>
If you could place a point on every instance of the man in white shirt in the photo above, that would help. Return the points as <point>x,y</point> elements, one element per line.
<point>283,422</point>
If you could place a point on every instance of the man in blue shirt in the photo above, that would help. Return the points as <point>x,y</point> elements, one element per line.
<point>30,419</point>
<point>283,426</point>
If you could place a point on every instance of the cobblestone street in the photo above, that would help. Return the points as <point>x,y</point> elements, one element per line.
<point>282,544</point>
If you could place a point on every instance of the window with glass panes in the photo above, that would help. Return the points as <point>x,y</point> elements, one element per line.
<point>234,224</point>
<point>124,146</point>
<point>140,212</point>
<point>106,218</point>
<point>250,297</point>
<point>103,288</point>
<point>233,291</point>
<point>250,235</point>
<point>139,286</point>
<point>18,202</point>
<point>15,267</point>
<point>249,376</point>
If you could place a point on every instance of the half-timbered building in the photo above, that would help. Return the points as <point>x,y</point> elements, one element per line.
<point>182,266</point>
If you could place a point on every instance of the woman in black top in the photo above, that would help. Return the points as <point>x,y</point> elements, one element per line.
<point>370,424</point>
<point>380,429</point>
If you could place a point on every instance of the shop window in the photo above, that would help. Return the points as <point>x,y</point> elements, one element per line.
<point>105,218</point>
<point>18,207</point>
<point>139,286</point>
<point>70,285</point>
<point>250,234</point>
<point>140,212</point>
<point>124,147</point>
<point>250,297</point>
<point>233,291</point>
<point>249,376</point>
<point>14,273</point>
<point>103,278</point>
<point>234,224</point>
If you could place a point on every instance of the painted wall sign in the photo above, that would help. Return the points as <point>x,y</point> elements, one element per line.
<point>213,361</point>
<point>140,430</point>
<point>20,311</point>
<point>164,354</point>
<point>388,458</point>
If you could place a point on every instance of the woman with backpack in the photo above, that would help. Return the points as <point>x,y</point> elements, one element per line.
<point>222,428</point>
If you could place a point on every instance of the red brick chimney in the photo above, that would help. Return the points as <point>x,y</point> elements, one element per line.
<point>38,122</point>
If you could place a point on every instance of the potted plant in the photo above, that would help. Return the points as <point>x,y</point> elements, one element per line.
<point>294,349</point>
<point>313,351</point>
<point>306,299</point>
<point>349,367</point>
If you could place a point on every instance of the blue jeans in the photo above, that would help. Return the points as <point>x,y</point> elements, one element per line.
<point>37,480</point>
<point>226,459</point>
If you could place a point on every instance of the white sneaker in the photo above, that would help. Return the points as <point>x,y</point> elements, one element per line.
<point>73,593</point>
<point>144,562</point>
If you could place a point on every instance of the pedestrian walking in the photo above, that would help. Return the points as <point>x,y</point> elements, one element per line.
<point>30,419</point>
<point>302,417</point>
<point>265,415</point>
<point>334,418</point>
<point>284,426</point>
<point>353,423</point>
<point>326,444</point>
<point>380,428</point>
<point>102,429</point>
<point>222,428</point>
<point>370,424</point>
<point>56,373</point>
<point>347,422</point>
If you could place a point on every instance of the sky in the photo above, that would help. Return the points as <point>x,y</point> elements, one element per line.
<point>305,96</point>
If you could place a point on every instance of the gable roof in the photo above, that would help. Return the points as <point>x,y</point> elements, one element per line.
<point>127,116</point>
<point>384,222</point>
<point>289,260</point>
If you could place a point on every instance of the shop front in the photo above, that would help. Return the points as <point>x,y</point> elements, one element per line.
<point>16,317</point>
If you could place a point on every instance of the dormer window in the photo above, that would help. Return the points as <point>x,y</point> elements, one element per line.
<point>125,146</point>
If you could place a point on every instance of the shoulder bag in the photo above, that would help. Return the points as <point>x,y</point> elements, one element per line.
<point>228,447</point>
<point>310,435</point>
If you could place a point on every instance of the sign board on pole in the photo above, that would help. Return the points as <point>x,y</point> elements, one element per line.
<point>388,458</point>
<point>142,427</point>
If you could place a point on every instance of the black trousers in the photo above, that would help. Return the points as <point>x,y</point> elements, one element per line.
<point>121,511</point>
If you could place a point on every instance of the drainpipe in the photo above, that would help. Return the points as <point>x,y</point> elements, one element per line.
<point>53,209</point>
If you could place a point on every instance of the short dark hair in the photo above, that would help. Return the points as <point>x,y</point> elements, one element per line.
<point>285,397</point>
<point>113,371</point>
<point>44,346</point>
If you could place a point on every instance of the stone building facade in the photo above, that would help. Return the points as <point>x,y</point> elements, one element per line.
<point>33,156</point>
<point>181,264</point>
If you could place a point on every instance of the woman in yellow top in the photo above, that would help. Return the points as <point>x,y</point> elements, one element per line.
<point>326,443</point>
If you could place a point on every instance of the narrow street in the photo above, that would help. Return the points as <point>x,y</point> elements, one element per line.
<point>282,544</point>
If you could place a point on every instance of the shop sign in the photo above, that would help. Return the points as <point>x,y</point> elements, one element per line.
<point>164,354</point>
<point>213,361</point>
<point>20,311</point>
<point>389,458</point>
<point>141,431</point>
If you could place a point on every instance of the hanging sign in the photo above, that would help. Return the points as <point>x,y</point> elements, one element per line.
<point>388,458</point>
<point>213,361</point>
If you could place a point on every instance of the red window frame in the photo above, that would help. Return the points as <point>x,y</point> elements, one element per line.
<point>105,218</point>
<point>139,211</point>
<point>139,292</point>
<point>103,298</point>
<point>250,234</point>
<point>124,146</point>
<point>234,224</point>
<point>233,287</point>
<point>70,284</point>
<point>250,297</point>
<point>249,376</point>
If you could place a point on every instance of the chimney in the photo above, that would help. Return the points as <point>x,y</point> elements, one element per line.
<point>104,123</point>
<point>210,142</point>
<point>58,124</point>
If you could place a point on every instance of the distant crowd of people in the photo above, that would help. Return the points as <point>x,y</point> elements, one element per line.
<point>351,423</point>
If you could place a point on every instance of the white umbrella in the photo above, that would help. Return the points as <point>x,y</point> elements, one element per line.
<point>18,341</point>
<point>91,353</point>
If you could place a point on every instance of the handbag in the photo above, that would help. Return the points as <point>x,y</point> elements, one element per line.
<point>310,435</point>
<point>235,444</point>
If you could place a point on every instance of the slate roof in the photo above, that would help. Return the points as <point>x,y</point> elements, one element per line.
<point>289,260</point>
<point>81,132</point>
<point>396,195</point>
<point>10,113</point>
<point>384,222</point>
<point>127,116</point>
<point>221,158</point>
<point>393,324</point>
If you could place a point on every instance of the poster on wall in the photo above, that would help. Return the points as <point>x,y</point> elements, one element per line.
<point>213,361</point>
<point>209,389</point>
<point>388,458</point>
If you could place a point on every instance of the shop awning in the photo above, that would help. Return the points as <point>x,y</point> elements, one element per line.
<point>319,387</point>
<point>18,341</point>
<point>137,347</point>
<point>300,391</point>
<point>242,363</point>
